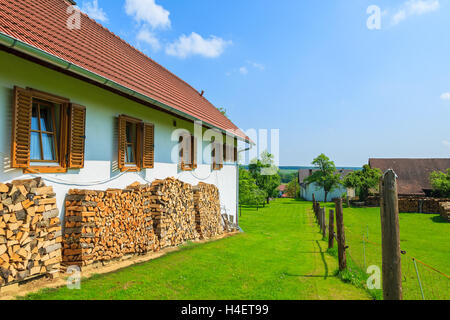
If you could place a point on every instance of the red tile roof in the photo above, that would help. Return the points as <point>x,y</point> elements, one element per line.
<point>413,174</point>
<point>43,24</point>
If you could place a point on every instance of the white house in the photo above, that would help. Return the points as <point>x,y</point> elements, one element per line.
<point>308,190</point>
<point>83,109</point>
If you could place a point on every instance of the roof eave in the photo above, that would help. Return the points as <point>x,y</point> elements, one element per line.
<point>23,47</point>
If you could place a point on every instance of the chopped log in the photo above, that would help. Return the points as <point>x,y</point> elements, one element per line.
<point>24,230</point>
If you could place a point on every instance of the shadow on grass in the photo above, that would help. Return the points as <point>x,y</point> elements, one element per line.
<point>438,219</point>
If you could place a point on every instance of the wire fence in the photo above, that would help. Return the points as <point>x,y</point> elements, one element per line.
<point>420,281</point>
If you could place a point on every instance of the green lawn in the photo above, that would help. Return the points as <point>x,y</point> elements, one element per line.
<point>280,256</point>
<point>423,236</point>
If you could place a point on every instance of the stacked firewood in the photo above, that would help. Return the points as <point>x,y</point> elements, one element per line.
<point>30,231</point>
<point>419,204</point>
<point>172,205</point>
<point>207,210</point>
<point>105,225</point>
<point>445,211</point>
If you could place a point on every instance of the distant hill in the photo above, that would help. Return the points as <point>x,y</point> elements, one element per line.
<point>295,168</point>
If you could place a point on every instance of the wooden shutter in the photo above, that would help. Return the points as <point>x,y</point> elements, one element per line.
<point>122,141</point>
<point>194,152</point>
<point>148,160</point>
<point>21,134</point>
<point>77,136</point>
<point>217,156</point>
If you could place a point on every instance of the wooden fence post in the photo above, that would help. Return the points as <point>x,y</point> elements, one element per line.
<point>323,223</point>
<point>331,230</point>
<point>340,235</point>
<point>314,202</point>
<point>390,237</point>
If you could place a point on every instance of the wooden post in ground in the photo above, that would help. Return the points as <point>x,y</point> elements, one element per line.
<point>340,235</point>
<point>390,237</point>
<point>314,201</point>
<point>318,214</point>
<point>331,230</point>
<point>323,223</point>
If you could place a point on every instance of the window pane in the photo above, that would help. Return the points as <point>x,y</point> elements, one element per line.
<point>35,146</point>
<point>34,118</point>
<point>48,146</point>
<point>131,132</point>
<point>46,119</point>
<point>130,154</point>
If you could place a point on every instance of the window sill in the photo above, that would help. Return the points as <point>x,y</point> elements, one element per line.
<point>130,169</point>
<point>45,169</point>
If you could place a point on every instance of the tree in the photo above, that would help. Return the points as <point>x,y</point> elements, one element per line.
<point>266,175</point>
<point>293,189</point>
<point>249,193</point>
<point>222,111</point>
<point>362,181</point>
<point>325,177</point>
<point>441,183</point>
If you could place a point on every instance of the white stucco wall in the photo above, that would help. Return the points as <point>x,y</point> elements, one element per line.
<point>102,108</point>
<point>307,192</point>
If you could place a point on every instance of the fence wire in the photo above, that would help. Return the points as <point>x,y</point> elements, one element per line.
<point>420,281</point>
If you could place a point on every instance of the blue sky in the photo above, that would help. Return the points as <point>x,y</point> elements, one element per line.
<point>312,69</point>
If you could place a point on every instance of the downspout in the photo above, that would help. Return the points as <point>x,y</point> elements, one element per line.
<point>30,50</point>
<point>237,187</point>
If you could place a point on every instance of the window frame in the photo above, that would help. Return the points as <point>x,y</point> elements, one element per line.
<point>60,139</point>
<point>190,145</point>
<point>55,134</point>
<point>217,155</point>
<point>143,150</point>
<point>138,148</point>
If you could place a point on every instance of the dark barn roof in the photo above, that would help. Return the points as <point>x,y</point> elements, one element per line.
<point>413,174</point>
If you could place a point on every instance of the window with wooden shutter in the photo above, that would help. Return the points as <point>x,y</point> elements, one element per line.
<point>136,144</point>
<point>77,136</point>
<point>122,140</point>
<point>148,161</point>
<point>194,152</point>
<point>40,133</point>
<point>217,156</point>
<point>21,129</point>
<point>187,144</point>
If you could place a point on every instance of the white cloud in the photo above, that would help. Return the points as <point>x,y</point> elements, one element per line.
<point>148,37</point>
<point>93,11</point>
<point>446,143</point>
<point>148,11</point>
<point>243,70</point>
<point>257,65</point>
<point>195,44</point>
<point>445,96</point>
<point>414,8</point>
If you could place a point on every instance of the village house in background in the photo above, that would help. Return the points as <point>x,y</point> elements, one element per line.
<point>83,109</point>
<point>413,174</point>
<point>307,190</point>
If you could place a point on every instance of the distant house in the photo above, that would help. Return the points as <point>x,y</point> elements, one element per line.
<point>413,174</point>
<point>282,190</point>
<point>307,190</point>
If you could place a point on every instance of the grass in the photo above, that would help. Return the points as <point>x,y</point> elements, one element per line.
<point>423,236</point>
<point>281,255</point>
